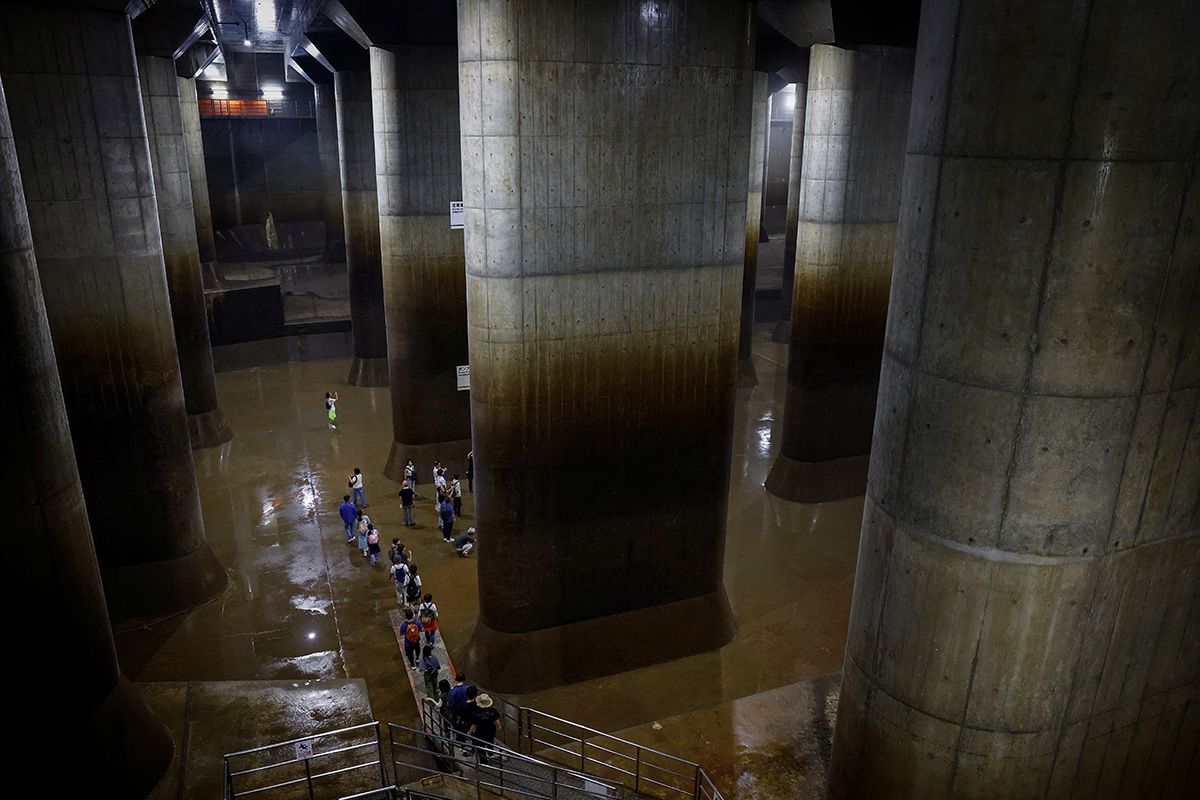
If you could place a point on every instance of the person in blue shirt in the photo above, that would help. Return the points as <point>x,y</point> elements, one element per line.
<point>446,515</point>
<point>349,515</point>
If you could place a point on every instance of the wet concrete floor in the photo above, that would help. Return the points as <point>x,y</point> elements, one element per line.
<point>303,605</point>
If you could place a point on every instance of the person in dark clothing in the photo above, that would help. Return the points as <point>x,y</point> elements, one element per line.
<point>465,542</point>
<point>410,632</point>
<point>429,670</point>
<point>406,503</point>
<point>471,472</point>
<point>483,726</point>
<point>458,697</point>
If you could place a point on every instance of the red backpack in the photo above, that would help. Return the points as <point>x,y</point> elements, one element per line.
<point>412,634</point>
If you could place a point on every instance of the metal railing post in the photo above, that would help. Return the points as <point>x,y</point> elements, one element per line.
<point>696,791</point>
<point>582,756</point>
<point>637,769</point>
<point>308,779</point>
<point>553,783</point>
<point>383,781</point>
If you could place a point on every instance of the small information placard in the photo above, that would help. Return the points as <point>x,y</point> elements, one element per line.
<point>457,217</point>
<point>464,377</point>
<point>304,749</point>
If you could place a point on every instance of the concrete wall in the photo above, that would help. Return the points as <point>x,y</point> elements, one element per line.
<point>257,167</point>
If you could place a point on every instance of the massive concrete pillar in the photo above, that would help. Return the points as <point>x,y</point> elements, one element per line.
<point>603,317</point>
<point>856,122</point>
<point>759,125</point>
<point>327,149</point>
<point>360,206</point>
<point>198,177</point>
<point>173,192</point>
<point>1026,614</point>
<point>51,556</point>
<point>92,211</point>
<point>783,328</point>
<point>417,157</point>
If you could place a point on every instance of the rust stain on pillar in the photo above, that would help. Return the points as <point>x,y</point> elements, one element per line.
<point>857,120</point>
<point>603,317</point>
<point>415,97</point>
<point>69,635</point>
<point>173,192</point>
<point>94,220</point>
<point>360,207</point>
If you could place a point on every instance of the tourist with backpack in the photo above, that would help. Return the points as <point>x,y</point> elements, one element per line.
<point>362,528</point>
<point>429,670</point>
<point>410,634</point>
<point>373,542</point>
<point>427,613</point>
<point>400,573</point>
<point>412,591</point>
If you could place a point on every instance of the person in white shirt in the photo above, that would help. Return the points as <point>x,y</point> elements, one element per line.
<point>356,483</point>
<point>455,493</point>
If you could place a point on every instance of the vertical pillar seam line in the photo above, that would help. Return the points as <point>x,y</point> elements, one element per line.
<point>1043,281</point>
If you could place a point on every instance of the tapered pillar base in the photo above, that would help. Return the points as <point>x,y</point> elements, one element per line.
<point>517,663</point>
<point>747,378</point>
<point>783,332</point>
<point>209,429</point>
<point>128,748</point>
<point>161,588</point>
<point>818,481</point>
<point>369,372</point>
<point>452,454</point>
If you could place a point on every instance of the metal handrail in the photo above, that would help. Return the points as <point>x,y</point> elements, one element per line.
<point>697,784</point>
<point>529,733</point>
<point>309,776</point>
<point>478,743</point>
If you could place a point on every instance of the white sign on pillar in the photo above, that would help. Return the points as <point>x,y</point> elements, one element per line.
<point>304,749</point>
<point>457,217</point>
<point>464,377</point>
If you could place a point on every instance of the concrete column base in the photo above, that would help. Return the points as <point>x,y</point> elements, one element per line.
<point>747,378</point>
<point>530,661</point>
<point>452,454</point>
<point>818,481</point>
<point>369,372</point>
<point>209,429</point>
<point>128,749</point>
<point>783,332</point>
<point>161,588</point>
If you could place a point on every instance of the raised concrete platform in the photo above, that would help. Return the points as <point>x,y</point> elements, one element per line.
<point>208,719</point>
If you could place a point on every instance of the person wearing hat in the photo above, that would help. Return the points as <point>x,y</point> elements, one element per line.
<point>465,542</point>
<point>483,725</point>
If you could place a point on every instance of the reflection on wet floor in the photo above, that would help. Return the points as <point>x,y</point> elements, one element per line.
<point>303,605</point>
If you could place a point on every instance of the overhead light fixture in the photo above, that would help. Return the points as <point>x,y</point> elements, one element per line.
<point>272,93</point>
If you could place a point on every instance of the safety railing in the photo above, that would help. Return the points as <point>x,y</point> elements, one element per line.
<point>642,769</point>
<point>337,763</point>
<point>493,768</point>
